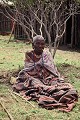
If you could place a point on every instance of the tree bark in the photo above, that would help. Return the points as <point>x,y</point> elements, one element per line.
<point>72,32</point>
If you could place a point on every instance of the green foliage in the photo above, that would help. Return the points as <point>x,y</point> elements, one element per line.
<point>22,2</point>
<point>78,1</point>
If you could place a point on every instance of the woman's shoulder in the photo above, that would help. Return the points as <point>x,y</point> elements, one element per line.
<point>46,53</point>
<point>28,53</point>
<point>28,56</point>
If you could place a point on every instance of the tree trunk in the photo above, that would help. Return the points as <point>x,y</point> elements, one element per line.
<point>12,31</point>
<point>72,32</point>
<point>55,46</point>
<point>75,31</point>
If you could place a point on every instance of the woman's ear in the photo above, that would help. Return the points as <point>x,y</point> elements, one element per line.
<point>33,45</point>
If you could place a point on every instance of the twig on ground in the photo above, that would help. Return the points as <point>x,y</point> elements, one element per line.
<point>13,96</point>
<point>9,115</point>
<point>20,97</point>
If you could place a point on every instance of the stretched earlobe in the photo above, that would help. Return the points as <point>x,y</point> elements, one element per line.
<point>33,45</point>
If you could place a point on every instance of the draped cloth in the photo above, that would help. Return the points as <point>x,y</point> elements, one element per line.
<point>40,81</point>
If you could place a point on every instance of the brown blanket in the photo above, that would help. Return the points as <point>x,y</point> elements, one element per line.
<point>56,94</point>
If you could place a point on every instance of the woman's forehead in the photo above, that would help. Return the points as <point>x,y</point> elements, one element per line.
<point>38,38</point>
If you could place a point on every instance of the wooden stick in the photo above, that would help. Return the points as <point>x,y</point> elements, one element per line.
<point>12,31</point>
<point>13,96</point>
<point>24,99</point>
<point>9,115</point>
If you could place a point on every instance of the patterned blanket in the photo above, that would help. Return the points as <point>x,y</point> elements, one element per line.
<point>40,81</point>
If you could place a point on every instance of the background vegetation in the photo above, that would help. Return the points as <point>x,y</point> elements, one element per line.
<point>48,18</point>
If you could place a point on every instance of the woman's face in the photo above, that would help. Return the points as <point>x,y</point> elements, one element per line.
<point>39,46</point>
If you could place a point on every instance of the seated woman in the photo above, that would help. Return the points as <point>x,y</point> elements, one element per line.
<point>40,80</point>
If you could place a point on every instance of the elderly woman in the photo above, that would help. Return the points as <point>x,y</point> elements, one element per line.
<point>40,80</point>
